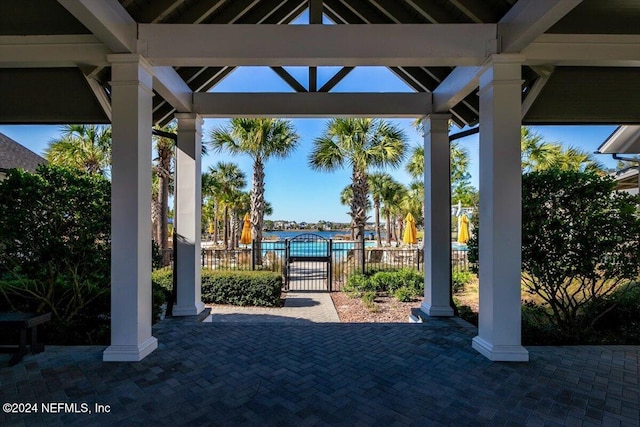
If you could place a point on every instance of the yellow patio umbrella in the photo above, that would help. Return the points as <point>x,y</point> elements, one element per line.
<point>463,229</point>
<point>245,238</point>
<point>410,235</point>
<point>210,228</point>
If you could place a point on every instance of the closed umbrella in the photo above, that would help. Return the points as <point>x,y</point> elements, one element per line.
<point>463,229</point>
<point>410,235</point>
<point>211,228</point>
<point>245,238</point>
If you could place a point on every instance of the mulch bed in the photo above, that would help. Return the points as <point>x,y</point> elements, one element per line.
<point>388,309</point>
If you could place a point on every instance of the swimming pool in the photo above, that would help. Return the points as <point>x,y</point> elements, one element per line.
<point>320,248</point>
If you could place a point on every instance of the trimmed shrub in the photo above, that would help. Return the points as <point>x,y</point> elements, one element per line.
<point>357,284</point>
<point>460,279</point>
<point>161,286</point>
<point>403,294</point>
<point>386,281</point>
<point>259,288</point>
<point>413,280</point>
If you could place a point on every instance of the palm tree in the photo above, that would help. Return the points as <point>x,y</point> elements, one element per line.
<point>162,169</point>
<point>346,197</point>
<point>361,144</point>
<point>377,185</point>
<point>392,195</point>
<point>459,166</point>
<point>85,147</point>
<point>538,155</point>
<point>261,139</point>
<point>228,180</point>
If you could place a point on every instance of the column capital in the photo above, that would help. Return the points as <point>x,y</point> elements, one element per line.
<point>436,122</point>
<point>501,70</point>
<point>129,58</point>
<point>130,69</point>
<point>186,117</point>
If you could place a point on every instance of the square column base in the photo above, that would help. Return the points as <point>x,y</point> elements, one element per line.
<point>129,353</point>
<point>188,310</point>
<point>436,311</point>
<point>500,353</point>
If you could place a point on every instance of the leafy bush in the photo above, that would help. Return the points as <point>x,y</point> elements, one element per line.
<point>368,298</point>
<point>580,242</point>
<point>156,255</point>
<point>357,284</point>
<point>386,281</point>
<point>259,288</point>
<point>403,294</point>
<point>55,251</point>
<point>412,280</point>
<point>460,279</point>
<point>161,287</point>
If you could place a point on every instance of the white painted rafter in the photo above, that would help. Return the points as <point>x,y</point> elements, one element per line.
<point>311,104</point>
<point>112,25</point>
<point>316,45</point>
<point>52,51</point>
<point>528,19</point>
<point>595,50</point>
<point>108,20</point>
<point>453,89</point>
<point>536,89</point>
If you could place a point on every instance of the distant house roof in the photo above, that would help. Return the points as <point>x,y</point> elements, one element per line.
<point>626,179</point>
<point>14,155</point>
<point>625,140</point>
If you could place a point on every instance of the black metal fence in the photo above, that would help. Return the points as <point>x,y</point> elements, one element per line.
<point>346,258</point>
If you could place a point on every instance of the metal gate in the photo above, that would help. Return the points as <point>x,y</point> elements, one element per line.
<point>308,263</point>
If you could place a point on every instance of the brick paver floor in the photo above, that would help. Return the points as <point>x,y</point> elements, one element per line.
<point>299,307</point>
<point>326,374</point>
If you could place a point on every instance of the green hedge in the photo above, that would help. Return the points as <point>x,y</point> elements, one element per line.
<point>260,288</point>
<point>161,286</point>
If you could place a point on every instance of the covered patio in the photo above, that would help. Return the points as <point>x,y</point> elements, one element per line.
<point>496,63</point>
<point>263,373</point>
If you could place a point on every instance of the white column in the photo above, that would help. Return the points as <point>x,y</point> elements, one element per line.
<point>131,92</point>
<point>499,331</point>
<point>188,215</point>
<point>437,217</point>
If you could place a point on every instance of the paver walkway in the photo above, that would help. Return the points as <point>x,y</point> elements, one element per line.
<point>329,374</point>
<point>299,307</point>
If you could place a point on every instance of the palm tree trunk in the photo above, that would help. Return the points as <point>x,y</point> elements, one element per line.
<point>389,228</point>
<point>376,206</point>
<point>216,224</point>
<point>360,186</point>
<point>257,207</point>
<point>226,228</point>
<point>163,235</point>
<point>234,229</point>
